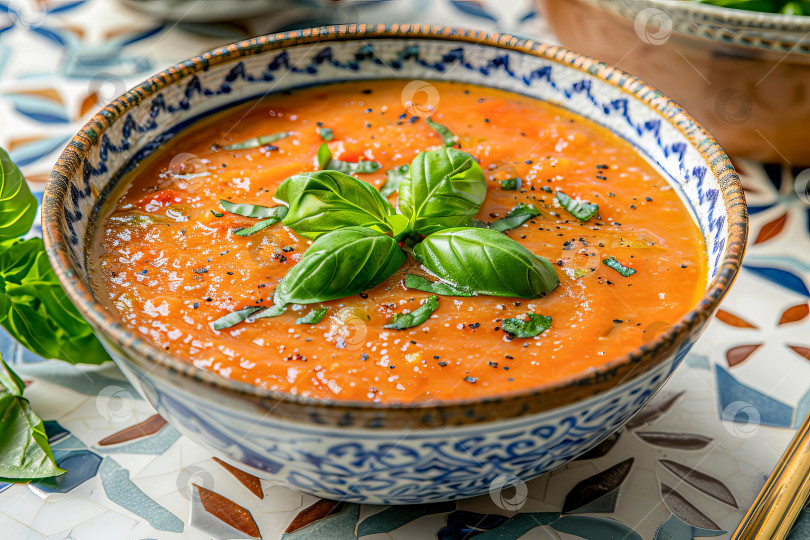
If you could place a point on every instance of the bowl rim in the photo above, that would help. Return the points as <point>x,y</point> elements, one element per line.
<point>743,18</point>
<point>567,391</point>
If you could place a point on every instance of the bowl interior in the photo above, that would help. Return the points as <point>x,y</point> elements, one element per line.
<point>137,123</point>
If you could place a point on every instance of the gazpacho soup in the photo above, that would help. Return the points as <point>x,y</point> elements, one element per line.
<point>344,242</point>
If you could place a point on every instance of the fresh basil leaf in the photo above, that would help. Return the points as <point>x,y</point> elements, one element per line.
<point>483,261</point>
<point>18,206</point>
<point>326,134</point>
<point>611,262</point>
<point>272,311</point>
<point>35,310</point>
<point>510,184</point>
<point>313,317</point>
<point>445,188</point>
<point>217,214</point>
<point>412,281</point>
<point>323,201</point>
<point>256,142</point>
<point>582,210</point>
<point>394,178</point>
<point>516,217</point>
<point>24,450</point>
<point>446,135</point>
<point>253,229</point>
<point>327,163</point>
<point>340,263</point>
<point>401,321</point>
<point>532,326</point>
<point>233,318</point>
<point>254,210</point>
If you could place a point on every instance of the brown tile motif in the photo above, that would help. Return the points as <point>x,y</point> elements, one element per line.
<point>738,355</point>
<point>228,511</point>
<point>733,320</point>
<point>794,314</point>
<point>150,426</point>
<point>246,479</point>
<point>321,509</point>
<point>771,229</point>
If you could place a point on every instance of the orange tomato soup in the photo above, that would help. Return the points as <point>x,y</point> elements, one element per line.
<point>170,267</point>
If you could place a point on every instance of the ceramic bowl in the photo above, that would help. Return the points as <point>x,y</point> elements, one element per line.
<point>744,75</point>
<point>416,452</point>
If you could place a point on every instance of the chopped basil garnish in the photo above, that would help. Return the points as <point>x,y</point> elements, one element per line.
<point>412,281</point>
<point>272,311</point>
<point>516,217</point>
<point>217,214</point>
<point>477,223</point>
<point>257,227</point>
<point>254,210</point>
<point>611,262</point>
<point>532,326</point>
<point>446,135</point>
<point>234,318</point>
<point>259,141</point>
<point>582,210</point>
<point>313,317</point>
<point>510,184</point>
<point>394,178</point>
<point>401,321</point>
<point>326,134</point>
<point>327,163</point>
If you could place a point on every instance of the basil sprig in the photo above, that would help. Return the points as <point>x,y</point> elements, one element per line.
<point>412,281</point>
<point>446,135</point>
<point>24,450</point>
<point>516,217</point>
<point>582,210</point>
<point>401,321</point>
<point>326,134</point>
<point>273,214</point>
<point>394,178</point>
<point>340,263</point>
<point>445,189</point>
<point>625,271</point>
<point>323,201</point>
<point>483,261</point>
<point>256,142</point>
<point>233,318</point>
<point>327,162</point>
<point>531,326</point>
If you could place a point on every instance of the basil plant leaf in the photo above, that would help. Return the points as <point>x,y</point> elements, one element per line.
<point>18,206</point>
<point>483,261</point>
<point>234,317</point>
<point>339,264</point>
<point>35,310</point>
<point>516,217</point>
<point>412,281</point>
<point>401,321</point>
<point>532,326</point>
<point>323,201</point>
<point>24,450</point>
<point>445,188</point>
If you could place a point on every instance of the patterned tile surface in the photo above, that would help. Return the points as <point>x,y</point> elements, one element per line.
<point>688,466</point>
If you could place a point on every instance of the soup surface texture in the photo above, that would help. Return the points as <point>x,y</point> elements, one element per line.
<point>170,266</point>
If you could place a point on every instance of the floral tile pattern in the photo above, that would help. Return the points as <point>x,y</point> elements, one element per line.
<point>686,467</point>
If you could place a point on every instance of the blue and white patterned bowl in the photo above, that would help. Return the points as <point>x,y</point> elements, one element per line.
<point>378,453</point>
